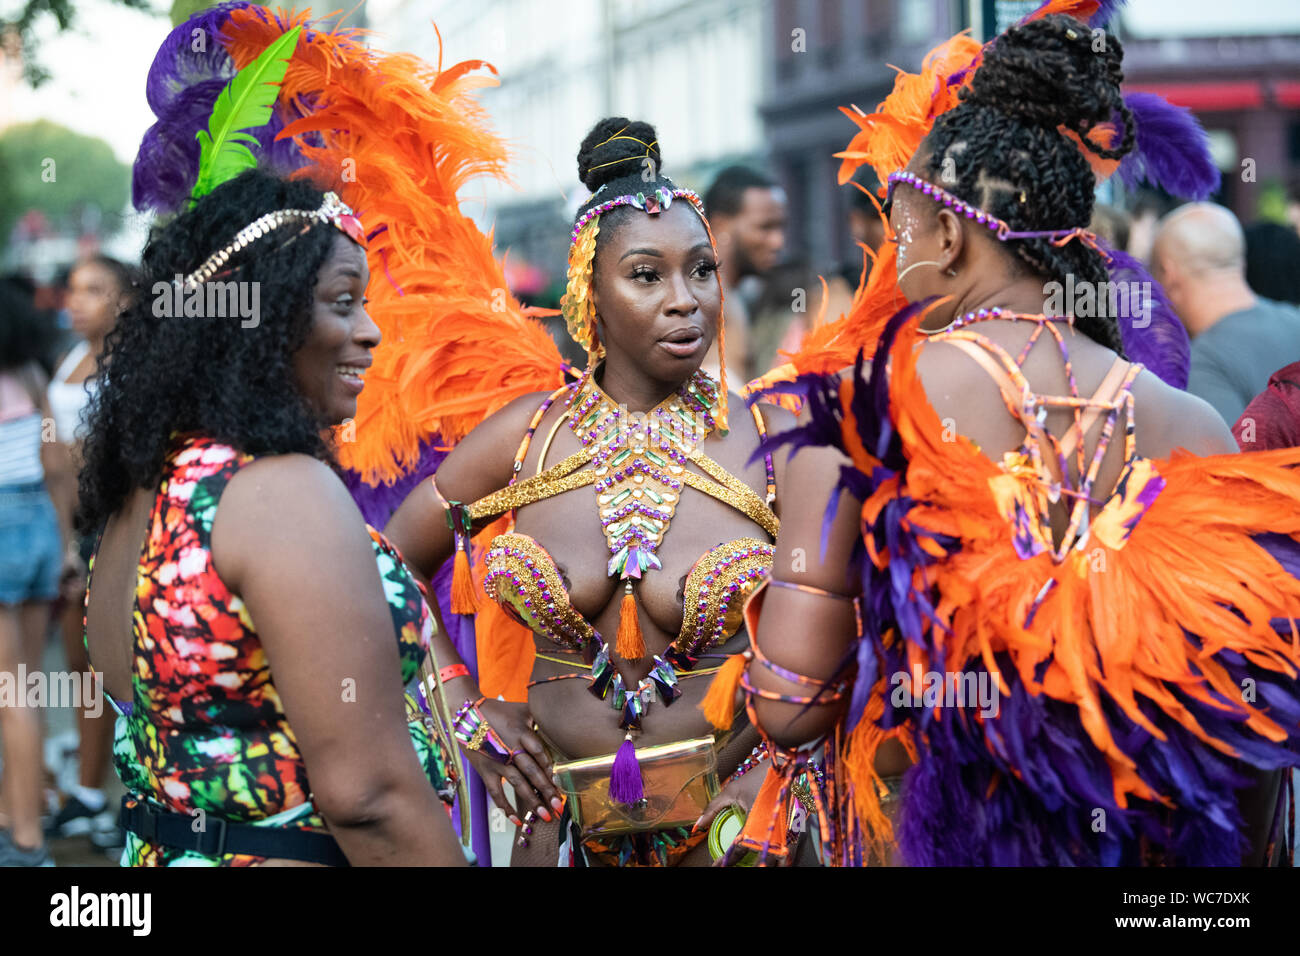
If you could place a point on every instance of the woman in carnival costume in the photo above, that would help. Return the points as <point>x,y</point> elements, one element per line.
<point>1049,616</point>
<point>601,620</point>
<point>224,708</point>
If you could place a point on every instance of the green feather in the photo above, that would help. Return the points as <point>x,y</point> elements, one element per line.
<point>244,104</point>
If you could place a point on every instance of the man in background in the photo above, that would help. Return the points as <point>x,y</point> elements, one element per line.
<point>746,211</point>
<point>1238,338</point>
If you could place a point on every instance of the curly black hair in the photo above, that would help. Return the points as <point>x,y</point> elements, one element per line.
<point>162,375</point>
<point>623,156</point>
<point>1004,144</point>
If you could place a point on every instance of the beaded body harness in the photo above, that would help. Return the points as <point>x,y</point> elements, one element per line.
<point>646,454</point>
<point>1036,474</point>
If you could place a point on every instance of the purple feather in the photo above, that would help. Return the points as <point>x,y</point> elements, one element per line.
<point>1171,149</point>
<point>1105,10</point>
<point>378,502</point>
<point>178,65</point>
<point>1105,13</point>
<point>1154,336</point>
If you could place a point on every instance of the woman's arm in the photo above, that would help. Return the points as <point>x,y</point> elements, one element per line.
<point>289,540</point>
<point>480,464</point>
<point>57,459</point>
<point>807,633</point>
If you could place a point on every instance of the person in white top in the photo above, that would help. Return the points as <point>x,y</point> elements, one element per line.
<point>97,292</point>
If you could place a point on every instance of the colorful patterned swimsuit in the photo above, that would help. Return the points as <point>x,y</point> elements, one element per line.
<point>205,728</point>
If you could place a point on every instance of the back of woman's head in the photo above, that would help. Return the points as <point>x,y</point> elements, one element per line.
<point>216,361</point>
<point>25,334</point>
<point>1002,148</point>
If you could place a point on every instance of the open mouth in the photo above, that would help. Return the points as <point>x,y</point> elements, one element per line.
<point>353,376</point>
<point>683,343</point>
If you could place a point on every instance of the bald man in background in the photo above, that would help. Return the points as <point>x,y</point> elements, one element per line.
<point>1238,338</point>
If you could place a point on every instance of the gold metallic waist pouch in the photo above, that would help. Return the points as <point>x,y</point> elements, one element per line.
<point>680,778</point>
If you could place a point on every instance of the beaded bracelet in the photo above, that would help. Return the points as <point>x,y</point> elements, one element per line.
<point>473,730</point>
<point>827,693</point>
<point>756,756</point>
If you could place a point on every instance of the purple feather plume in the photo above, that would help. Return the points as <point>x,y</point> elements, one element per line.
<point>182,87</point>
<point>1171,149</point>
<point>1152,334</point>
<point>178,65</point>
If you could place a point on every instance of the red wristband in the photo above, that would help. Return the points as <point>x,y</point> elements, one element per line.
<point>452,672</point>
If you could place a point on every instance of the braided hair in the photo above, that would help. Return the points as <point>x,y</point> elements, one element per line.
<point>1005,145</point>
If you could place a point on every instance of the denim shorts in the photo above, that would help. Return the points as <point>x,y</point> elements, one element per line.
<point>30,555</point>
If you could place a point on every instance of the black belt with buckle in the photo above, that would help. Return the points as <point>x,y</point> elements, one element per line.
<point>216,836</point>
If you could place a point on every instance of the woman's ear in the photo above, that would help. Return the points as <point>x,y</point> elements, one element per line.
<point>952,241</point>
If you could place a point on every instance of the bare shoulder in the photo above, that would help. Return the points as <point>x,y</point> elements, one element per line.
<point>1167,418</point>
<point>280,506</point>
<point>482,461</point>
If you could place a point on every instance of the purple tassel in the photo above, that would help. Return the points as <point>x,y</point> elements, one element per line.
<point>1171,149</point>
<point>625,784</point>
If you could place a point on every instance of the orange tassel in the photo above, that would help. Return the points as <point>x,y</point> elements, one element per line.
<point>463,598</point>
<point>631,642</point>
<point>719,704</point>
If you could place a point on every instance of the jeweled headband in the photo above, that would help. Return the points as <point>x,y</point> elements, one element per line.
<point>332,210</point>
<point>997,226</point>
<point>653,204</point>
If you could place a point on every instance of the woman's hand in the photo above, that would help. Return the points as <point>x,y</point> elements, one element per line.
<point>72,575</point>
<point>739,792</point>
<point>530,771</point>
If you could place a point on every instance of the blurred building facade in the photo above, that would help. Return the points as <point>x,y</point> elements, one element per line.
<point>821,55</point>
<point>1238,69</point>
<point>693,68</point>
<point>761,81</point>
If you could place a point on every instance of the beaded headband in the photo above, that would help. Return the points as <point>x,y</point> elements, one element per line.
<point>997,226</point>
<point>332,210</point>
<point>653,204</point>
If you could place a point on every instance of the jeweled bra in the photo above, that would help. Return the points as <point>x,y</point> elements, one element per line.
<point>639,470</point>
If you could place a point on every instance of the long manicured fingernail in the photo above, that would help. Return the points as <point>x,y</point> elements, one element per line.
<point>515,820</point>
<point>697,825</point>
<point>558,804</point>
<point>541,812</point>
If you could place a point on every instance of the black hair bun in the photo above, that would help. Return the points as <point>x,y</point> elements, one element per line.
<point>1054,72</point>
<point>617,147</point>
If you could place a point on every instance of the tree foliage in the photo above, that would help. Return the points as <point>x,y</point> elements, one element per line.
<point>61,173</point>
<point>32,12</point>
